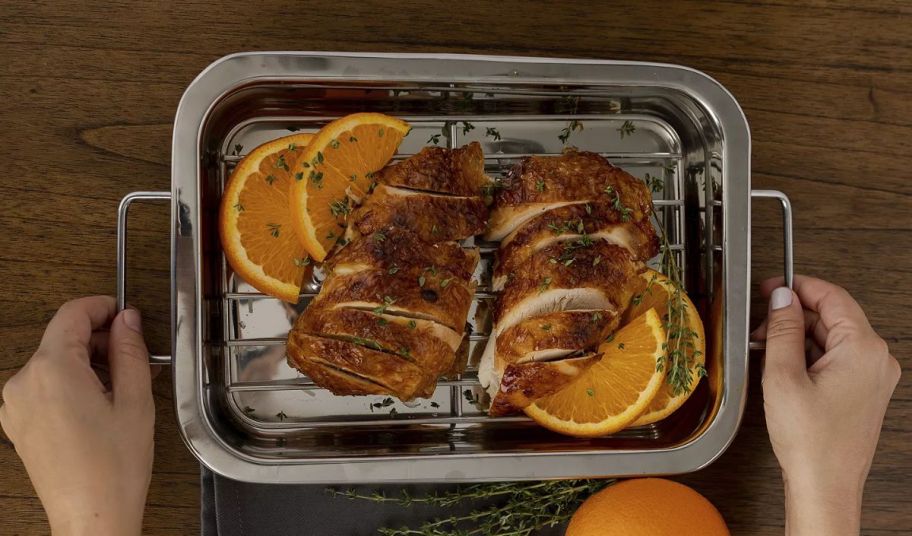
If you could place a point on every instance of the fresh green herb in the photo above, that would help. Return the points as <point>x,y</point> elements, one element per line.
<point>239,207</point>
<point>540,185</point>
<point>655,183</point>
<point>543,286</point>
<point>617,204</point>
<point>352,177</point>
<point>381,309</point>
<point>680,350</point>
<point>590,391</point>
<point>292,147</point>
<point>466,127</point>
<point>302,262</point>
<point>270,179</point>
<point>588,209</point>
<point>421,281</point>
<point>378,237</point>
<point>412,324</point>
<point>513,508</point>
<point>330,235</point>
<point>432,269</point>
<point>434,229</point>
<point>620,346</point>
<point>342,241</point>
<point>352,139</point>
<point>394,413</point>
<point>610,338</point>
<point>299,175</point>
<point>334,143</point>
<point>392,269</point>
<point>237,149</point>
<point>492,132</point>
<point>292,129</point>
<point>545,327</point>
<point>339,207</point>
<point>434,404</point>
<point>317,178</point>
<point>385,403</point>
<point>404,352</point>
<point>568,130</point>
<point>435,139</point>
<point>559,229</point>
<point>701,370</point>
<point>596,317</point>
<point>627,129</point>
<point>381,132</point>
<point>370,343</point>
<point>445,282</point>
<point>281,415</point>
<point>596,260</point>
<point>274,229</point>
<point>488,190</point>
<point>280,163</point>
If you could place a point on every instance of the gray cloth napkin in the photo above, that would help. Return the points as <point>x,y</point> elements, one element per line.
<point>231,508</point>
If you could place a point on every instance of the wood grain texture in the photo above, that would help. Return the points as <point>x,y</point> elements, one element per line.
<point>89,91</point>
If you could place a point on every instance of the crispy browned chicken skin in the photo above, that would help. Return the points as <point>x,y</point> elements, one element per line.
<point>540,183</point>
<point>391,314</point>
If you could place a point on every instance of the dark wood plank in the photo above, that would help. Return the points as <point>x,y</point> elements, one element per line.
<point>90,90</point>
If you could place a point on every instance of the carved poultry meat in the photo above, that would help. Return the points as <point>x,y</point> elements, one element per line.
<point>392,311</point>
<point>574,233</point>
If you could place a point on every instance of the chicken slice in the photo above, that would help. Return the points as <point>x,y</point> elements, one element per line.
<point>421,293</point>
<point>395,248</point>
<point>540,183</point>
<point>524,383</point>
<point>569,224</point>
<point>387,333</point>
<point>590,274</point>
<point>433,217</point>
<point>436,169</point>
<point>319,356</point>
<point>541,337</point>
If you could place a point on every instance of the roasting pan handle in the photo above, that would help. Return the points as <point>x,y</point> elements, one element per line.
<point>787,242</point>
<point>122,211</point>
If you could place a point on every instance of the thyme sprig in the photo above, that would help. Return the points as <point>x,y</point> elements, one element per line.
<point>680,350</point>
<point>517,508</point>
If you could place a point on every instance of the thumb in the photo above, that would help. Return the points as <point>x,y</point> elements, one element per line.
<point>129,360</point>
<point>785,336</point>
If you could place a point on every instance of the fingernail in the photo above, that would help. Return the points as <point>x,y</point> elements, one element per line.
<point>133,320</point>
<point>780,298</point>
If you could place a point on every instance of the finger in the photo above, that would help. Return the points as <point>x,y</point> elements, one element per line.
<point>785,337</point>
<point>812,325</point>
<point>129,361</point>
<point>839,313</point>
<point>75,321</point>
<point>98,347</point>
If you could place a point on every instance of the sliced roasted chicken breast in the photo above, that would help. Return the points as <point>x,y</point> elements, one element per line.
<point>436,169</point>
<point>433,217</point>
<point>539,183</point>
<point>598,269</point>
<point>387,333</point>
<point>430,294</point>
<point>398,375</point>
<point>395,248</point>
<point>571,224</point>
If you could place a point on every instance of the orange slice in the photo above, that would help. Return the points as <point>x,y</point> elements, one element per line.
<point>338,163</point>
<point>655,293</point>
<point>255,225</point>
<point>613,392</point>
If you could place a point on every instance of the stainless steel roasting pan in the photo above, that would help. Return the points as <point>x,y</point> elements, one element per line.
<point>248,416</point>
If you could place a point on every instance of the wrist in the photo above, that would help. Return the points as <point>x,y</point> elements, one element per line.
<point>822,506</point>
<point>96,524</point>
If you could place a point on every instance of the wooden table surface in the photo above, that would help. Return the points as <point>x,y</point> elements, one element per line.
<point>89,92</point>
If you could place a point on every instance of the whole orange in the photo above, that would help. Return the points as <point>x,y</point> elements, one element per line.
<point>647,507</point>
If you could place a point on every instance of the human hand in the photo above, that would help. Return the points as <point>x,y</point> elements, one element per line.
<point>827,380</point>
<point>87,448</point>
